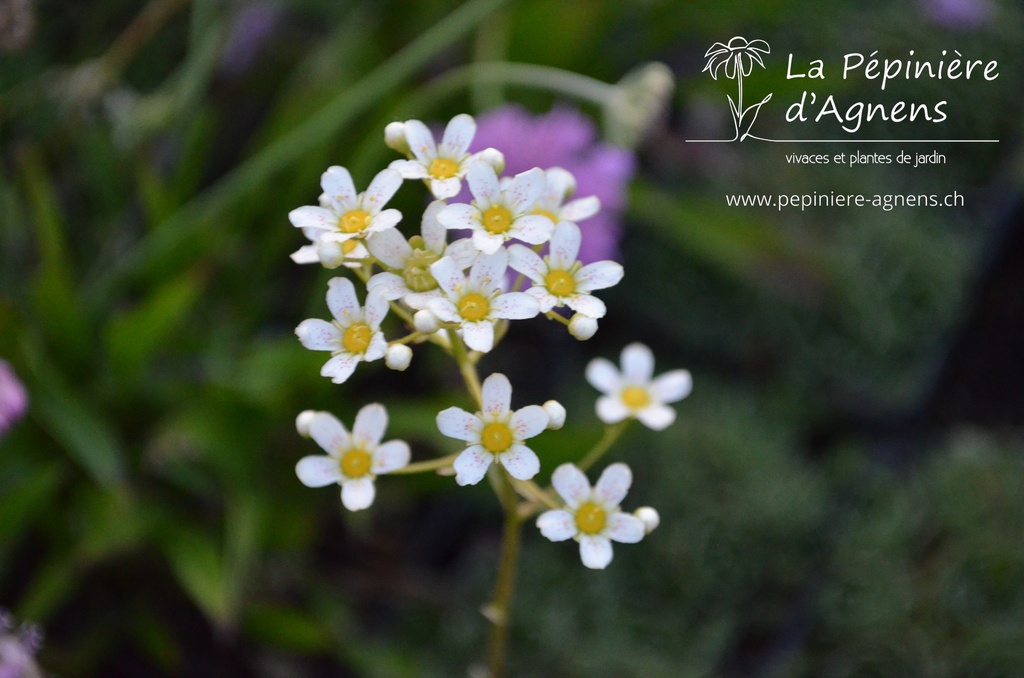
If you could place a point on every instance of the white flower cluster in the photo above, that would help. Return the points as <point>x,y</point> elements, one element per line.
<point>460,291</point>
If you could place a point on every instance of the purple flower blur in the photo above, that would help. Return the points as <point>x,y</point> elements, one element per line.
<point>18,647</point>
<point>958,14</point>
<point>565,138</point>
<point>13,398</point>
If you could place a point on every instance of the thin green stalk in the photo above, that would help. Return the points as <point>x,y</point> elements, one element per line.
<point>466,368</point>
<point>427,465</point>
<point>611,435</point>
<point>499,609</point>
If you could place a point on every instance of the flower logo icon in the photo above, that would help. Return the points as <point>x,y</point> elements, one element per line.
<point>736,60</point>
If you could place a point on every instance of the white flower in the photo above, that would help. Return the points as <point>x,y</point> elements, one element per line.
<point>412,281</point>
<point>344,214</point>
<point>497,215</point>
<point>494,435</point>
<point>559,279</point>
<point>353,459</point>
<point>559,184</point>
<point>632,393</point>
<point>441,166</point>
<point>477,303</point>
<point>353,336</point>
<point>592,516</point>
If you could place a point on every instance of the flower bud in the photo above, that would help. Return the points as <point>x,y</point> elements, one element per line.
<point>425,322</point>
<point>582,327</point>
<point>331,253</point>
<point>639,99</point>
<point>394,138</point>
<point>494,158</point>
<point>556,414</point>
<point>303,421</point>
<point>398,357</point>
<point>649,517</point>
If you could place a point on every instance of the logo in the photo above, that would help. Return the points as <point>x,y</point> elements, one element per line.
<point>736,60</point>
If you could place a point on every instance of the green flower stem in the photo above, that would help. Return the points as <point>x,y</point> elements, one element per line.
<point>466,367</point>
<point>611,434</point>
<point>537,495</point>
<point>427,465</point>
<point>551,315</point>
<point>498,610</point>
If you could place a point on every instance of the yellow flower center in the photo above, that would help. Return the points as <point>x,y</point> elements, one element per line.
<point>355,463</point>
<point>356,337</point>
<point>354,221</point>
<point>546,213</point>
<point>496,437</point>
<point>635,397</point>
<point>497,219</point>
<point>474,306</point>
<point>590,518</point>
<point>443,168</point>
<point>349,246</point>
<point>417,267</point>
<point>560,283</point>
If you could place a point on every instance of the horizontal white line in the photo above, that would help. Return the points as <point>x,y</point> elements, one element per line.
<point>850,141</point>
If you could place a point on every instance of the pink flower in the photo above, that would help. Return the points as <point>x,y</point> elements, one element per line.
<point>13,398</point>
<point>565,138</point>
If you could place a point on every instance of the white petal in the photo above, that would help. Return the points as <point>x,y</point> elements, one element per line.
<point>444,310</point>
<point>565,245</point>
<point>520,461</point>
<point>463,252</point>
<point>459,215</point>
<point>376,308</point>
<point>369,426</point>
<point>612,486</point>
<point>588,305</point>
<point>318,471</point>
<point>483,183</point>
<point>625,528</point>
<point>390,456</point>
<point>672,386</point>
<point>603,376</point>
<point>457,137</point>
<point>656,417</point>
<point>341,299</point>
<point>434,233</point>
<point>381,189</point>
<point>559,184</point>
<point>445,188</point>
<point>340,367</point>
<point>358,493</point>
<point>478,336</point>
<point>532,228</point>
<point>545,300</point>
<point>390,247</point>
<point>318,335</point>
<point>418,301</point>
<point>309,216</point>
<point>377,349</point>
<point>497,396</point>
<point>515,306</point>
<point>525,189</point>
<point>529,421</point>
<point>526,261</point>
<point>598,276</point>
<point>487,243</point>
<point>389,285</point>
<point>307,254</point>
<point>611,409</point>
<point>421,141</point>
<point>637,363</point>
<point>455,422</point>
<point>595,551</point>
<point>471,466</point>
<point>338,188</point>
<point>448,275</point>
<point>329,433</point>
<point>557,525</point>
<point>571,484</point>
<point>383,221</point>
<point>488,272</point>
<point>578,210</point>
<point>409,169</point>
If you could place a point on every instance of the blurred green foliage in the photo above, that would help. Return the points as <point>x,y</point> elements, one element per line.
<point>149,516</point>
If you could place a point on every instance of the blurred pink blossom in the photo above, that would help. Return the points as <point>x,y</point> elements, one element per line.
<point>13,398</point>
<point>18,646</point>
<point>565,138</point>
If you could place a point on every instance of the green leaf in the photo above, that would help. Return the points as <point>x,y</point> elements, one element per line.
<point>196,561</point>
<point>287,628</point>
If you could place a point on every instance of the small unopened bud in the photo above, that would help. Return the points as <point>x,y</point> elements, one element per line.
<point>398,357</point>
<point>556,414</point>
<point>639,99</point>
<point>494,158</point>
<point>332,254</point>
<point>649,517</point>
<point>394,137</point>
<point>425,322</point>
<point>303,421</point>
<point>582,327</point>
